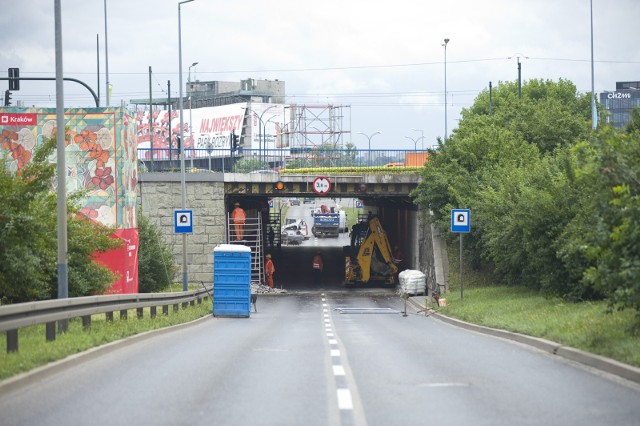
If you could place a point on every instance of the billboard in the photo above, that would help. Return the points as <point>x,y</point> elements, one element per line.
<point>207,131</point>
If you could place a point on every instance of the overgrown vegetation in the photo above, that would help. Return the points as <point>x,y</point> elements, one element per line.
<point>157,267</point>
<point>555,206</point>
<point>588,325</point>
<point>28,233</point>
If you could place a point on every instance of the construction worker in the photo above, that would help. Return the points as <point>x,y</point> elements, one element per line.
<point>239,217</point>
<point>318,266</point>
<point>398,260</point>
<point>269,269</point>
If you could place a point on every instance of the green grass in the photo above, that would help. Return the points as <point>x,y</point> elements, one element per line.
<point>35,351</point>
<point>586,325</point>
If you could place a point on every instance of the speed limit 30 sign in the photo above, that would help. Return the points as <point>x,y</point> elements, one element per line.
<point>321,185</point>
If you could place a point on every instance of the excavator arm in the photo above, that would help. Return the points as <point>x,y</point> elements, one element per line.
<point>373,255</point>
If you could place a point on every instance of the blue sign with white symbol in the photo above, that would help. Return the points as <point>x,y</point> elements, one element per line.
<point>358,204</point>
<point>461,220</point>
<point>183,221</point>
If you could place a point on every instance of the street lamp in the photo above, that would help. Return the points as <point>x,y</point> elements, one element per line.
<point>182,176</point>
<point>446,41</point>
<point>415,142</point>
<point>421,136</point>
<point>262,124</point>
<point>190,104</point>
<point>189,81</point>
<point>369,139</point>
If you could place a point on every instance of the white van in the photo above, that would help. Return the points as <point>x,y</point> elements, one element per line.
<point>297,226</point>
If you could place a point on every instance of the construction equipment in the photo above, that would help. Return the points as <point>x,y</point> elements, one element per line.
<point>369,256</point>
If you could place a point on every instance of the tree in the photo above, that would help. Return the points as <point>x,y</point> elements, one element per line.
<point>28,233</point>
<point>156,265</point>
<point>503,167</point>
<point>603,240</point>
<point>634,121</point>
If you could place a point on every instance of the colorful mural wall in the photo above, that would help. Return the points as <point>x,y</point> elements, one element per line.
<point>101,157</point>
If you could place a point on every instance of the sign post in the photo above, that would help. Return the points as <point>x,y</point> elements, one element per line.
<point>461,223</point>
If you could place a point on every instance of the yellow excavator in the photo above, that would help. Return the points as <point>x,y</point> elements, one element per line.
<point>369,257</point>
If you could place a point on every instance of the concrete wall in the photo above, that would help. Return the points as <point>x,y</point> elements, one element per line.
<point>160,195</point>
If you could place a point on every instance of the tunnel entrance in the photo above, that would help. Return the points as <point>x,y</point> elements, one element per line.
<point>301,240</point>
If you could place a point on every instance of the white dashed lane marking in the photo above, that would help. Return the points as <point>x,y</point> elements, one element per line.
<point>345,401</point>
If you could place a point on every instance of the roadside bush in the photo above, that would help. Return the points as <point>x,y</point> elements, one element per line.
<point>156,265</point>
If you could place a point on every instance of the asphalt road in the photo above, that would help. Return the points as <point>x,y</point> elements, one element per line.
<point>309,359</point>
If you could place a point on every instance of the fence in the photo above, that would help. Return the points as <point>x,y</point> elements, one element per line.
<point>255,160</point>
<point>14,317</point>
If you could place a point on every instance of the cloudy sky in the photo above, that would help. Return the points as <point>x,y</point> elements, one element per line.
<point>382,60</point>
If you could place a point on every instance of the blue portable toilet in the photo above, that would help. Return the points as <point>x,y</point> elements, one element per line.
<point>232,280</point>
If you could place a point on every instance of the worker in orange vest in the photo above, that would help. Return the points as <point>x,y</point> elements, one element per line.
<point>317,265</point>
<point>238,216</point>
<point>269,269</point>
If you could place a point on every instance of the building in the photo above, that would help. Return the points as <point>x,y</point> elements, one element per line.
<point>200,94</point>
<point>620,102</point>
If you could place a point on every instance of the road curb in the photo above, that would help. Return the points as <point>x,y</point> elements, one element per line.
<point>597,362</point>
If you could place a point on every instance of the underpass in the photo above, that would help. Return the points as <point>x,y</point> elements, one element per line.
<point>211,196</point>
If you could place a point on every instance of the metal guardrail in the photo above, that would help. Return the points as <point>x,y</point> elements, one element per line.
<point>19,315</point>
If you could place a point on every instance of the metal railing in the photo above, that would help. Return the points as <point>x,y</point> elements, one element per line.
<point>264,160</point>
<point>19,315</point>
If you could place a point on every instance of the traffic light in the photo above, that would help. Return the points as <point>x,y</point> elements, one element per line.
<point>14,78</point>
<point>235,142</point>
<point>7,98</point>
<point>278,186</point>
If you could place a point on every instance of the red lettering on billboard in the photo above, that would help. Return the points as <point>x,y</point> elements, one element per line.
<point>220,124</point>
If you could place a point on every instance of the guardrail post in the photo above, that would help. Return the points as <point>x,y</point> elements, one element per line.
<point>192,302</point>
<point>153,312</point>
<point>86,322</point>
<point>12,341</point>
<point>199,300</point>
<point>51,331</point>
<point>140,313</point>
<point>109,316</point>
<point>123,314</point>
<point>165,309</point>
<point>175,307</point>
<point>184,305</point>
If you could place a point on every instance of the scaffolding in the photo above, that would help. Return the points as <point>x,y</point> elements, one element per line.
<point>312,126</point>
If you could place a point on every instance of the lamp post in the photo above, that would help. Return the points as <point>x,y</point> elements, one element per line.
<point>260,128</point>
<point>594,111</point>
<point>190,104</point>
<point>421,136</point>
<point>182,176</point>
<point>446,41</point>
<point>415,142</point>
<point>369,139</point>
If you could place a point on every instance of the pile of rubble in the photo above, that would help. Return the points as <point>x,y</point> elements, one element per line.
<point>263,289</point>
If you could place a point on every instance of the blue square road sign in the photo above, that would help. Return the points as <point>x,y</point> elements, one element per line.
<point>183,221</point>
<point>461,220</point>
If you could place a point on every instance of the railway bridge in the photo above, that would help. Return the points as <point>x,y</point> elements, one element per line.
<point>211,197</point>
